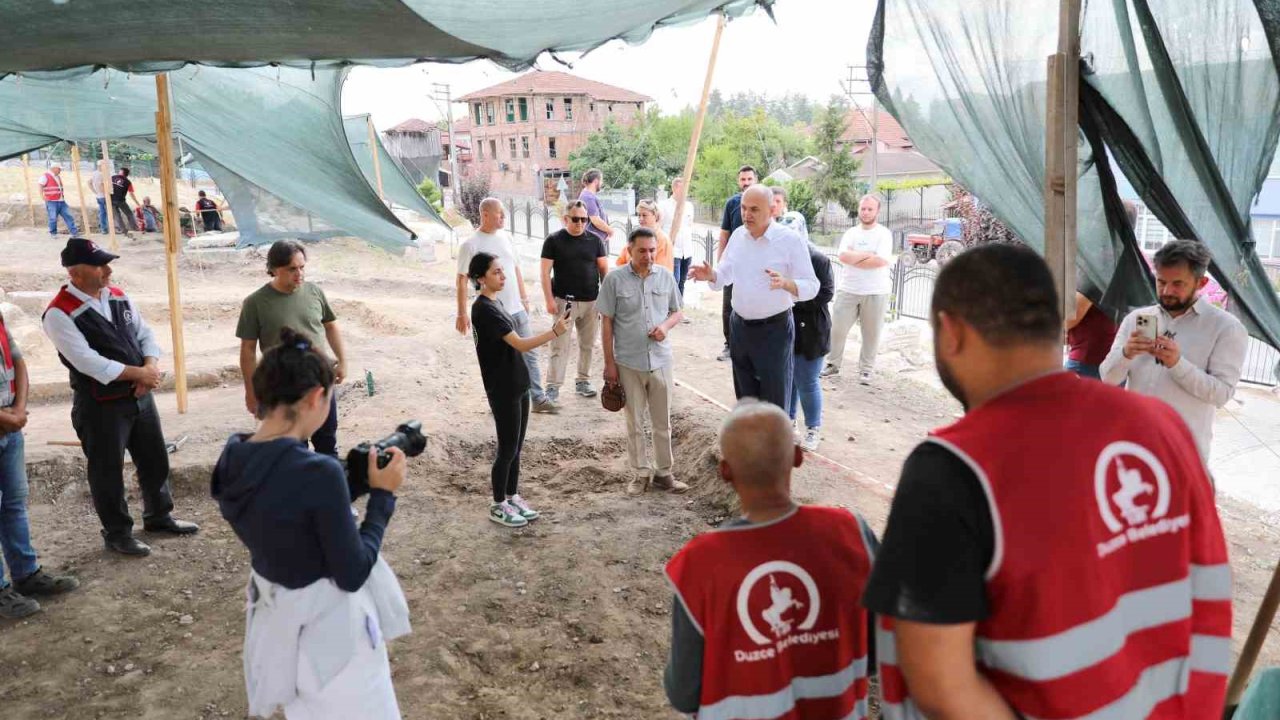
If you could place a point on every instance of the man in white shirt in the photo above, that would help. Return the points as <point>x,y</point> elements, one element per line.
<point>98,184</point>
<point>1194,362</point>
<point>866,252</point>
<point>769,267</point>
<point>682,244</point>
<point>491,238</point>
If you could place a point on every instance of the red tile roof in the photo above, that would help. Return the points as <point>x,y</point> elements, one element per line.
<point>890,132</point>
<point>542,82</point>
<point>413,125</point>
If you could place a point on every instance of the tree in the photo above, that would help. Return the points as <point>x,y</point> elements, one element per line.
<point>428,190</point>
<point>473,190</point>
<point>626,156</point>
<point>800,198</point>
<point>980,226</point>
<point>835,181</point>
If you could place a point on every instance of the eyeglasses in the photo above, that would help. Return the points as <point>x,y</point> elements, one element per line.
<point>573,219</point>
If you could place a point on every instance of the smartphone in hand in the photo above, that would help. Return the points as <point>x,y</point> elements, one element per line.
<point>1147,324</point>
<point>568,306</point>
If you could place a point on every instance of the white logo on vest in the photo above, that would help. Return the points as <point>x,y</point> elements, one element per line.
<point>788,602</point>
<point>1132,490</point>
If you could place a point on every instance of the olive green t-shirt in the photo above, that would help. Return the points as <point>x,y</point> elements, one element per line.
<point>267,310</point>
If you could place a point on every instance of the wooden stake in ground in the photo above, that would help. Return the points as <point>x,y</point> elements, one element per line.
<point>106,188</point>
<point>373,150</point>
<point>1253,645</point>
<point>169,195</point>
<point>687,175</point>
<point>1062,155</point>
<point>26,187</point>
<point>84,210</point>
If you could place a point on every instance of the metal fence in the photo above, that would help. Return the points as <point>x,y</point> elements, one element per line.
<point>1260,364</point>
<point>912,290</point>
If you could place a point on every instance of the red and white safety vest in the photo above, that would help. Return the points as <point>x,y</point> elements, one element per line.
<point>7,373</point>
<point>778,606</point>
<point>1109,589</point>
<point>52,187</point>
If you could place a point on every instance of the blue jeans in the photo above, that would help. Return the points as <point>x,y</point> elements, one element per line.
<point>1089,371</point>
<point>761,355</point>
<point>682,273</point>
<point>15,531</point>
<point>58,209</point>
<point>530,358</point>
<point>806,390</point>
<point>102,214</point>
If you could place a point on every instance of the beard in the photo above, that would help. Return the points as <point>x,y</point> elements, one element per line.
<point>1175,304</point>
<point>949,380</point>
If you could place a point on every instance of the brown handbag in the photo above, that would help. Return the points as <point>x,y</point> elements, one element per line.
<point>613,397</point>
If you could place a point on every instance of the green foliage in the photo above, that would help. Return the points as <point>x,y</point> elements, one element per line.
<point>628,157</point>
<point>888,186</point>
<point>428,190</point>
<point>790,108</point>
<point>835,182</point>
<point>474,189</point>
<point>800,198</point>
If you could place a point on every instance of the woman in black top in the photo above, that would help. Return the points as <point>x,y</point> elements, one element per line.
<point>506,383</point>
<point>813,341</point>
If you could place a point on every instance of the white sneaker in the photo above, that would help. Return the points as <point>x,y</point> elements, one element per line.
<point>523,508</point>
<point>811,440</point>
<point>505,514</point>
<point>865,377</point>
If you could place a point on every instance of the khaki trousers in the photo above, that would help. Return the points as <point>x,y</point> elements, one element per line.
<point>648,396</point>
<point>868,312</point>
<point>585,319</point>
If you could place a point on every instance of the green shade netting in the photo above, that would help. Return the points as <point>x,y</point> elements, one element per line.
<point>396,185</point>
<point>162,35</point>
<point>1181,94</point>
<point>273,140</point>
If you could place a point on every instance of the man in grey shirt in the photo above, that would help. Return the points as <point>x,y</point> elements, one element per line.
<point>640,303</point>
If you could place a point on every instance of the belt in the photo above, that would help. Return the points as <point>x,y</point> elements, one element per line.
<point>766,321</point>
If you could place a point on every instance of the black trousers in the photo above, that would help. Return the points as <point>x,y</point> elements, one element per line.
<point>105,430</point>
<point>762,355</point>
<point>726,312</point>
<point>511,416</point>
<point>325,439</point>
<point>125,221</point>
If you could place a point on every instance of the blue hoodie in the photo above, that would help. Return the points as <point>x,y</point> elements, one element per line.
<point>292,509</point>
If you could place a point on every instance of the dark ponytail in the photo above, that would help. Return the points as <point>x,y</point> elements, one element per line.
<point>479,267</point>
<point>289,371</point>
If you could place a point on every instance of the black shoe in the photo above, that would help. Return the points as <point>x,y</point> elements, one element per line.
<point>14,606</point>
<point>724,354</point>
<point>42,583</point>
<point>126,545</point>
<point>168,524</point>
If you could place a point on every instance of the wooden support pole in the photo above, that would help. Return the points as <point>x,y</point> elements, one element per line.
<point>106,188</point>
<point>26,187</point>
<point>84,209</point>
<point>1253,644</point>
<point>1062,155</point>
<point>169,194</point>
<point>687,175</point>
<point>373,150</point>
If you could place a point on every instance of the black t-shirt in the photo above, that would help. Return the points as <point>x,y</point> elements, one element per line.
<point>502,367</point>
<point>207,207</point>
<point>939,541</point>
<point>574,270</point>
<point>120,186</point>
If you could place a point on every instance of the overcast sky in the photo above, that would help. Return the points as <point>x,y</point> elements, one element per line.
<point>807,51</point>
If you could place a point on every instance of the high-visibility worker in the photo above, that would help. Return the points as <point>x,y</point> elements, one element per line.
<point>1056,553</point>
<point>766,623</point>
<point>55,202</point>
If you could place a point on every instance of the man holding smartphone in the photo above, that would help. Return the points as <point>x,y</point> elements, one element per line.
<point>573,264</point>
<point>1185,350</point>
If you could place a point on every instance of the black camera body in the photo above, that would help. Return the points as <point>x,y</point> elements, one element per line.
<point>408,437</point>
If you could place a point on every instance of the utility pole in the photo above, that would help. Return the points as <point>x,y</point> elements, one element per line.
<point>853,89</point>
<point>443,94</point>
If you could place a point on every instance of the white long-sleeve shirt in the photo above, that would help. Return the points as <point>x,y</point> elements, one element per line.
<point>746,262</point>
<point>683,244</point>
<point>70,342</point>
<point>1212,343</point>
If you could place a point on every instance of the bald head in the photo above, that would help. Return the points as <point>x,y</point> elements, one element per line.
<point>492,215</point>
<point>757,447</point>
<point>757,209</point>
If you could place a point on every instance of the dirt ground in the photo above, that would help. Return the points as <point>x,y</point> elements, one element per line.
<point>568,618</point>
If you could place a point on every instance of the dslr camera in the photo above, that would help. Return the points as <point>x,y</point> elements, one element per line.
<point>408,437</point>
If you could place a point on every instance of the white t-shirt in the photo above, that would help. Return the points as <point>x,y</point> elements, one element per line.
<point>682,245</point>
<point>860,281</point>
<point>95,184</point>
<point>498,244</point>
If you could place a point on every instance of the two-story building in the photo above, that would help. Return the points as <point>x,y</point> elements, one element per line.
<point>522,130</point>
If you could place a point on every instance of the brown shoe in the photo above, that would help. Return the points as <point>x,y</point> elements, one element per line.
<point>669,484</point>
<point>638,483</point>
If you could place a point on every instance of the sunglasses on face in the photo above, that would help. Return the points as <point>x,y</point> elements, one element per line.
<point>573,219</point>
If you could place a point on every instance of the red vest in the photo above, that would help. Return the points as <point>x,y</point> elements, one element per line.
<point>52,187</point>
<point>778,606</point>
<point>1109,589</point>
<point>7,373</point>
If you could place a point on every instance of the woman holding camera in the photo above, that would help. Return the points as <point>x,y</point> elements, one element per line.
<point>506,383</point>
<point>321,603</point>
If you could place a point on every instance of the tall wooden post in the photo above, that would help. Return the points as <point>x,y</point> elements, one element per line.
<point>1253,644</point>
<point>373,150</point>
<point>689,158</point>
<point>106,188</point>
<point>169,194</point>
<point>84,211</point>
<point>1062,155</point>
<point>26,187</point>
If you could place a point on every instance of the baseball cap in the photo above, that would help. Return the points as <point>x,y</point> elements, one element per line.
<point>80,251</point>
<point>57,166</point>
